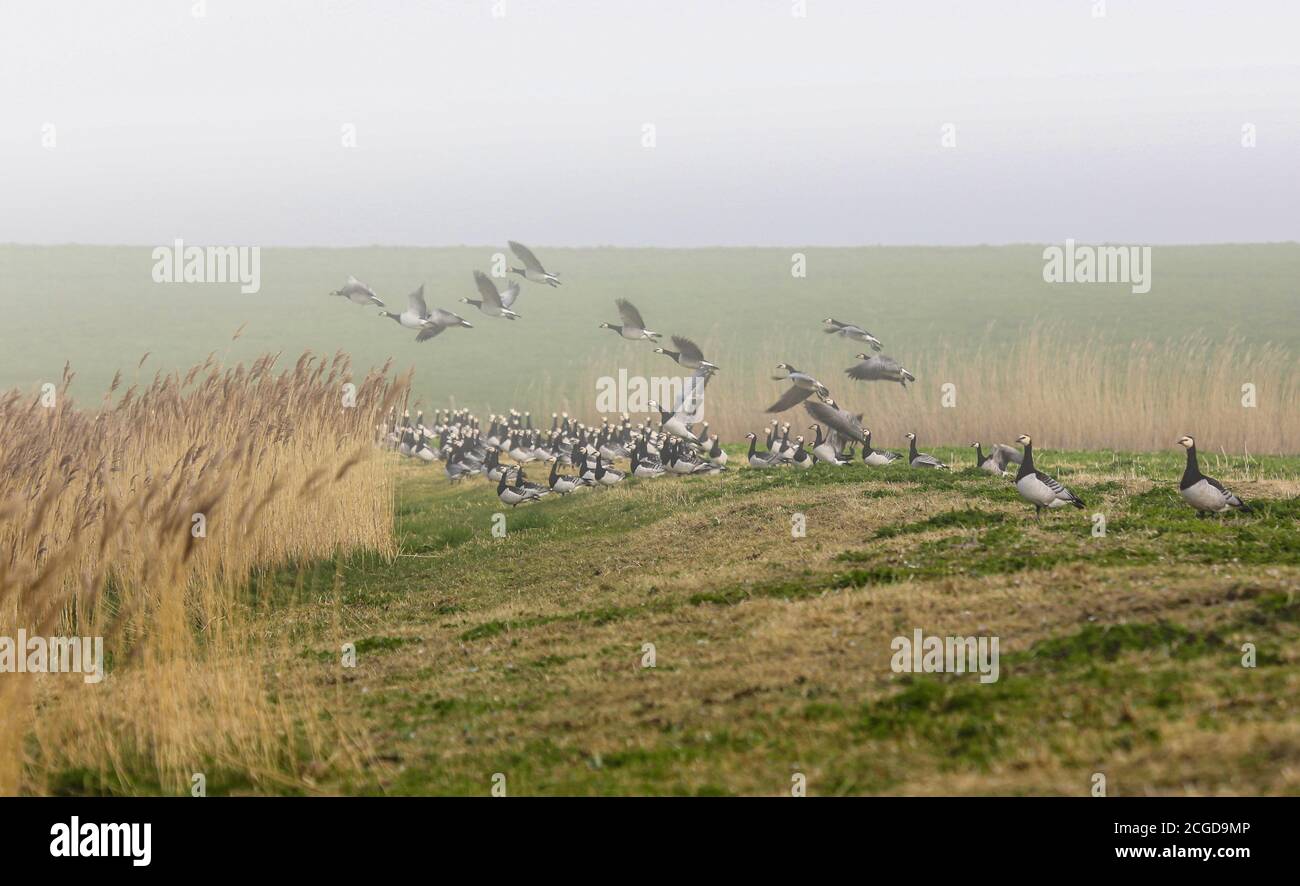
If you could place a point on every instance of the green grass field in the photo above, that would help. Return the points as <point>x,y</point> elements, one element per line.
<point>98,308</point>
<point>522,655</point>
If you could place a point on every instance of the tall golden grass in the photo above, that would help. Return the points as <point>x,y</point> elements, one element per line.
<point>99,537</point>
<point>1067,392</point>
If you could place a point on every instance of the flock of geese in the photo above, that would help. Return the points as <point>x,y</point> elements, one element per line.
<point>680,445</point>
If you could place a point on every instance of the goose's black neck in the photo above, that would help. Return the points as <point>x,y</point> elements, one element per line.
<point>1192,474</point>
<point>1027,462</point>
<point>866,447</point>
<point>912,450</point>
<point>753,446</point>
<point>979,455</point>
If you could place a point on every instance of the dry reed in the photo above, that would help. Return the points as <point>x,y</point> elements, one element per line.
<point>141,522</point>
<point>1068,393</point>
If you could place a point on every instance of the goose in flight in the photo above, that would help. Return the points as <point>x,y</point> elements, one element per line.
<point>358,293</point>
<point>849,330</point>
<point>688,354</point>
<point>1206,494</point>
<point>418,316</point>
<point>878,367</point>
<point>921,459</point>
<point>633,328</point>
<point>1039,489</point>
<point>440,320</point>
<point>532,269</point>
<point>804,387</point>
<point>492,302</point>
<point>848,426</point>
<point>675,423</point>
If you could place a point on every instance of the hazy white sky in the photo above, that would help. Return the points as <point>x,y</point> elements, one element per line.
<point>770,129</point>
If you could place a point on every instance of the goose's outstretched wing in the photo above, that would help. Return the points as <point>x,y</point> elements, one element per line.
<point>631,316</point>
<point>792,397</point>
<point>689,349</point>
<point>837,420</point>
<point>526,256</point>
<point>416,302</point>
<point>691,400</point>
<point>488,290</point>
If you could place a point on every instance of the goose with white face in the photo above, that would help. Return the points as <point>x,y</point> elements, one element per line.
<point>1206,494</point>
<point>1038,488</point>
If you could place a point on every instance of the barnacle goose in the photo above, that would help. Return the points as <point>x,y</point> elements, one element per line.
<point>995,462</point>
<point>804,387</point>
<point>633,327</point>
<point>878,367</point>
<point>564,483</point>
<point>1038,488</point>
<point>1206,494</point>
<point>492,302</point>
<point>876,457</point>
<point>688,354</point>
<point>850,330</point>
<point>921,459</point>
<point>755,459</point>
<point>532,269</point>
<point>358,293</point>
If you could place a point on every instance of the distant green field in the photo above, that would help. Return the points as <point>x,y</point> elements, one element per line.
<point>98,308</point>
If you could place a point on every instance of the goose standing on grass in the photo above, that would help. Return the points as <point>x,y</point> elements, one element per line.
<point>997,460</point>
<point>633,328</point>
<point>921,459</point>
<point>876,457</point>
<point>849,330</point>
<point>804,387</point>
<point>492,302</point>
<point>688,354</point>
<point>717,455</point>
<point>757,460</point>
<point>643,465</point>
<point>607,476</point>
<point>358,293</point>
<point>1039,489</point>
<point>1206,494</point>
<point>878,367</point>
<point>564,483</point>
<point>823,450</point>
<point>801,459</point>
<point>520,491</point>
<point>532,269</point>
